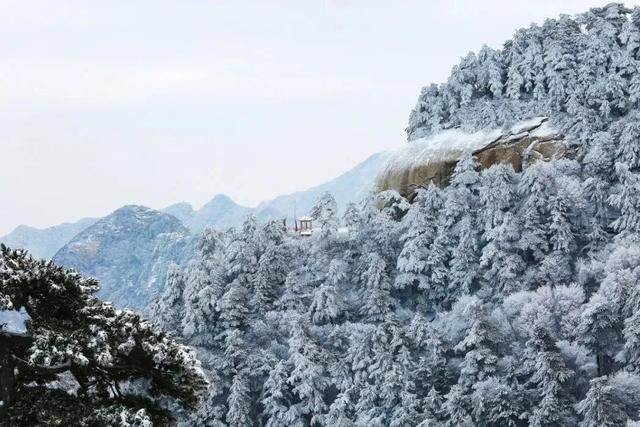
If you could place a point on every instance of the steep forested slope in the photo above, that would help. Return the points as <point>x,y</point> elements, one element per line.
<point>502,299</point>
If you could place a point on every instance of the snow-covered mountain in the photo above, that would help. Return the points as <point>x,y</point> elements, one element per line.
<point>128,251</point>
<point>183,211</point>
<point>505,294</point>
<point>44,243</point>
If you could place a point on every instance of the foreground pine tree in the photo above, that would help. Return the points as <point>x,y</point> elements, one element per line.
<point>79,360</point>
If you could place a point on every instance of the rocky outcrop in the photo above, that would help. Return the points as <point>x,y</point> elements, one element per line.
<point>433,158</point>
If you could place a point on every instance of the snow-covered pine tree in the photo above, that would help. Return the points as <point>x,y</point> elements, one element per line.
<point>600,407</point>
<point>273,267</point>
<point>598,163</point>
<point>326,305</point>
<point>239,413</point>
<point>501,261</point>
<point>455,408</point>
<point>427,347</point>
<point>436,283</point>
<point>627,133</point>
<point>277,397</point>
<point>352,217</point>
<point>308,378</point>
<point>325,212</point>
<point>477,346</point>
<point>375,293</point>
<point>421,230</point>
<point>551,402</point>
<point>626,200</point>
<point>460,211</point>
<point>204,286</point>
<point>464,264</point>
<point>168,309</point>
<point>556,268</point>
<point>71,332</point>
<point>494,402</point>
<point>497,195</point>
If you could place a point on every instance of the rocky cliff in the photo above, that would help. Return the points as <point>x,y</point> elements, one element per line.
<point>433,158</point>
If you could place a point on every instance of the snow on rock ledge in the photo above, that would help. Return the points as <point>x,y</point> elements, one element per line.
<point>433,158</point>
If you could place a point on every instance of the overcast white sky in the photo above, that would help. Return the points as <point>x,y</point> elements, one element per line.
<point>104,103</point>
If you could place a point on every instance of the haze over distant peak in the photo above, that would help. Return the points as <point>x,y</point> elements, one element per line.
<point>45,242</point>
<point>351,186</point>
<point>222,212</point>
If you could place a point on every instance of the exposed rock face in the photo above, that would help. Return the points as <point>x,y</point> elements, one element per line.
<point>128,251</point>
<point>433,158</point>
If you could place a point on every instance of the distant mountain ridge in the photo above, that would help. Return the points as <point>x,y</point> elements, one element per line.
<point>45,242</point>
<point>220,213</point>
<point>351,186</point>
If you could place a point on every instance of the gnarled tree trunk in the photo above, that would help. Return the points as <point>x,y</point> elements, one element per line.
<point>10,344</point>
<point>7,374</point>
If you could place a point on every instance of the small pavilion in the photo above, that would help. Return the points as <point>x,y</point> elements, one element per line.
<point>306,225</point>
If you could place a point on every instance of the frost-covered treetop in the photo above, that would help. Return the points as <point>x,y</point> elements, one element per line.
<point>579,70</point>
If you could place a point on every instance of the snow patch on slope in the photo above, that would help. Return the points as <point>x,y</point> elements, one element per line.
<point>447,145</point>
<point>443,146</point>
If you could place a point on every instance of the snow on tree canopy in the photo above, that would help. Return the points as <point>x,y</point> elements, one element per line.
<point>507,296</point>
<point>118,360</point>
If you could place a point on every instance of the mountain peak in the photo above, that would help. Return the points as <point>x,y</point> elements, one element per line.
<point>133,209</point>
<point>122,249</point>
<point>220,199</point>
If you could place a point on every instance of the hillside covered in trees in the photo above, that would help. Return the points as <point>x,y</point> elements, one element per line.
<point>502,299</point>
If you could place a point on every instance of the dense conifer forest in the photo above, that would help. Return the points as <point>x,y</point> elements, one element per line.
<point>502,299</point>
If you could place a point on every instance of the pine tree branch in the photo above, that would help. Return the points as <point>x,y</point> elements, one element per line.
<point>43,369</point>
